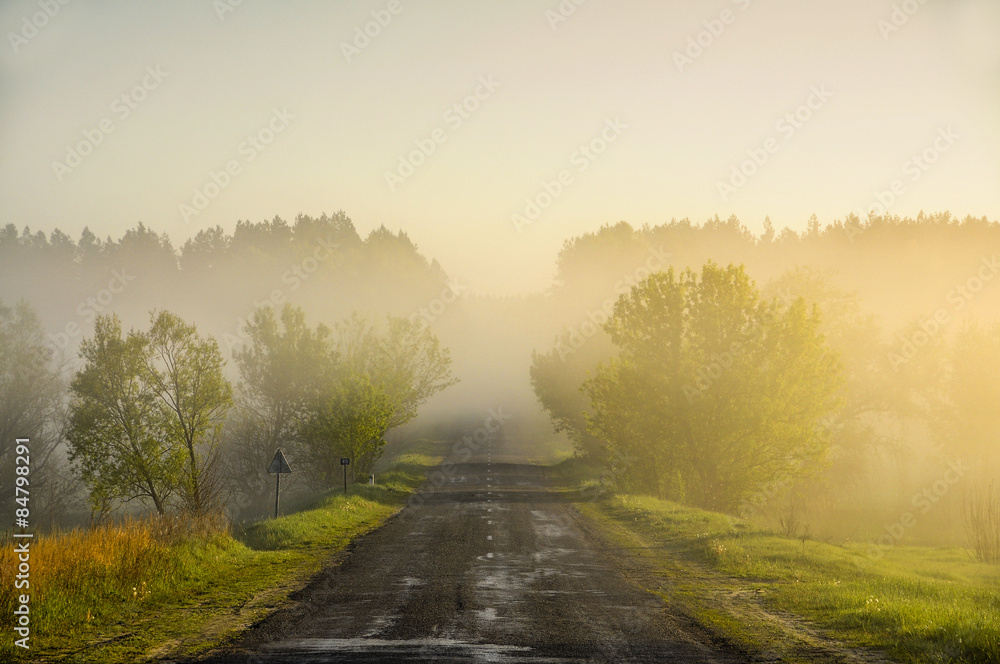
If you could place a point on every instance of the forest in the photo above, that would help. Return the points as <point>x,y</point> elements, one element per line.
<point>824,381</point>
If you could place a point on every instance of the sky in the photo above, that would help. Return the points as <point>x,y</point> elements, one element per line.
<point>491,132</point>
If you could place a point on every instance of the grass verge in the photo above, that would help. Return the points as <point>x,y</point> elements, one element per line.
<point>126,593</point>
<point>791,598</point>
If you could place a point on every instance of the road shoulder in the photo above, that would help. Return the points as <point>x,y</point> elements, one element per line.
<point>726,611</point>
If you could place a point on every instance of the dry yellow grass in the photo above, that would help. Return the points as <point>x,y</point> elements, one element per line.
<point>74,574</point>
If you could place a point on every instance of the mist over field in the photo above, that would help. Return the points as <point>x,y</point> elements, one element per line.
<point>898,320</point>
<point>718,281</point>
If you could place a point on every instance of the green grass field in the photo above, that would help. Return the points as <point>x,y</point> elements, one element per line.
<point>916,604</point>
<point>125,592</point>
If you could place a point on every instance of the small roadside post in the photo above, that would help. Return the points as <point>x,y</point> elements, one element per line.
<point>277,467</point>
<point>345,462</point>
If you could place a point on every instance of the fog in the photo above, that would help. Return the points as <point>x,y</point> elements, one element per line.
<point>505,177</point>
<point>899,319</point>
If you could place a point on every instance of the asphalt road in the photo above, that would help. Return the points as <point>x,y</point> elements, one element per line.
<point>492,567</point>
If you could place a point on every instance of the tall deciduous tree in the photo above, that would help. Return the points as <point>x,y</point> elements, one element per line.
<point>146,413</point>
<point>715,393</point>
<point>963,413</point>
<point>186,372</point>
<point>404,360</point>
<point>32,407</point>
<point>117,433</point>
<point>283,368</point>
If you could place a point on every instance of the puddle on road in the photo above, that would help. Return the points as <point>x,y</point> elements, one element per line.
<point>487,614</point>
<point>417,650</point>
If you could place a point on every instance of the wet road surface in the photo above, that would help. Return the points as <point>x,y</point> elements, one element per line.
<point>491,567</point>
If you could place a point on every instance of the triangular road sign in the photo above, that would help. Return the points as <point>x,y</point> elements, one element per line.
<point>278,464</point>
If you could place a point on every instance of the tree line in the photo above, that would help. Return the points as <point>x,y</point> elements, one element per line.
<point>714,392</point>
<point>152,419</point>
<point>860,370</point>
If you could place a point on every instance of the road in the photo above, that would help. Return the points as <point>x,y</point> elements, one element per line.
<point>492,567</point>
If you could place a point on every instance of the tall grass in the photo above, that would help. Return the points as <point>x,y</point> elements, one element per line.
<point>982,523</point>
<point>79,576</point>
<point>115,591</point>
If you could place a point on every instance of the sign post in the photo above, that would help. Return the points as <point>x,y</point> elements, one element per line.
<point>278,466</point>
<point>345,462</point>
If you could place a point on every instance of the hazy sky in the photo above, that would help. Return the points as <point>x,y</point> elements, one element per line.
<point>328,125</point>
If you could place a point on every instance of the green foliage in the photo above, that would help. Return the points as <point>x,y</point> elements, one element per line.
<point>117,433</point>
<point>120,591</point>
<point>283,368</point>
<point>31,406</point>
<point>964,413</point>
<point>873,405</point>
<point>283,365</point>
<point>919,604</point>
<point>556,378</point>
<point>325,394</point>
<point>186,374</point>
<point>714,383</point>
<point>146,412</point>
<point>350,421</point>
<point>403,358</point>
<point>28,381</point>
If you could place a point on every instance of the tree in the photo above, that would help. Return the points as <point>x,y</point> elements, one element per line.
<point>323,394</point>
<point>868,422</point>
<point>715,393</point>
<point>349,420</point>
<point>282,368</point>
<point>185,372</point>
<point>963,415</point>
<point>556,378</point>
<point>146,413</point>
<point>404,360</point>
<point>32,407</point>
<point>117,433</point>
